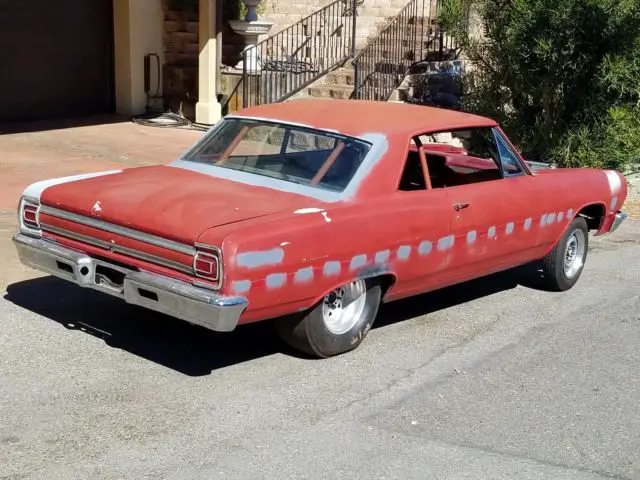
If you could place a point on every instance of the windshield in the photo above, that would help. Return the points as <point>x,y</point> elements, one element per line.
<point>286,152</point>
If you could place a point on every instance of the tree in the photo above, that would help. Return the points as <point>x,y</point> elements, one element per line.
<point>562,76</point>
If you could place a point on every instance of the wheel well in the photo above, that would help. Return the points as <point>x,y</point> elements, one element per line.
<point>594,215</point>
<point>386,282</point>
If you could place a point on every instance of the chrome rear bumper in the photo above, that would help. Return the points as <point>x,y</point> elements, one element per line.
<point>617,221</point>
<point>155,292</point>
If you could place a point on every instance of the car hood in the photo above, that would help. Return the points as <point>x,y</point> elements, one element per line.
<point>169,202</point>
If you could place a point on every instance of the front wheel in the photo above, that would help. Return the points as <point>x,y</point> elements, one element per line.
<point>563,265</point>
<point>337,324</point>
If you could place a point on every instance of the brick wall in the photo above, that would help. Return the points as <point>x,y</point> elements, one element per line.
<point>180,71</point>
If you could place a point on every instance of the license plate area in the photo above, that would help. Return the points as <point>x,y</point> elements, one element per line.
<point>110,277</point>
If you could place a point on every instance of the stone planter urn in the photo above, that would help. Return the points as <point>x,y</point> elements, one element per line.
<point>251,15</point>
<point>250,29</point>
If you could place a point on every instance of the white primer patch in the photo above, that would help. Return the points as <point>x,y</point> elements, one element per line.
<point>326,217</point>
<point>425,247</point>
<point>331,268</point>
<point>382,256</point>
<point>302,211</point>
<point>509,228</point>
<point>527,223</point>
<point>35,189</point>
<point>358,261</point>
<point>614,181</point>
<point>260,258</point>
<point>614,202</point>
<point>276,280</point>
<point>445,243</point>
<point>303,275</point>
<point>404,251</point>
<point>97,207</point>
<point>543,220</point>
<point>471,237</point>
<point>241,286</point>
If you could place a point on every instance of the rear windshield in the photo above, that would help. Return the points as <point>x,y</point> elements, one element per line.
<point>291,153</point>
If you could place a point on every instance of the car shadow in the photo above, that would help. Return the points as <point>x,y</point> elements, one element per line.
<point>195,351</point>
<point>529,276</point>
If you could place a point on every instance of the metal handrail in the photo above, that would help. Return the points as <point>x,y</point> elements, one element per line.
<point>274,69</point>
<point>413,35</point>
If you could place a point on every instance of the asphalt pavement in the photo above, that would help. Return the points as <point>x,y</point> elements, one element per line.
<point>492,379</point>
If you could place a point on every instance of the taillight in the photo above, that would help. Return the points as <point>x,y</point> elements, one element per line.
<point>207,265</point>
<point>29,215</point>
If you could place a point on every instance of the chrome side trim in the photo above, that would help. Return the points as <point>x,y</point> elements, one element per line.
<point>76,236</point>
<point>617,221</point>
<point>151,258</point>
<point>118,248</point>
<point>118,230</point>
<point>533,165</point>
<point>155,292</point>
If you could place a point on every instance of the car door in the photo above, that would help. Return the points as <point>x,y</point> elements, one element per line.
<point>495,222</point>
<point>418,223</point>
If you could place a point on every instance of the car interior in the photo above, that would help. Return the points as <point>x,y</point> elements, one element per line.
<point>451,161</point>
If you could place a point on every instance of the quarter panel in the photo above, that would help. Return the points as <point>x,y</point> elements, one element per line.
<point>290,263</point>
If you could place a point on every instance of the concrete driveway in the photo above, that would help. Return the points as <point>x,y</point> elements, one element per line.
<point>492,379</point>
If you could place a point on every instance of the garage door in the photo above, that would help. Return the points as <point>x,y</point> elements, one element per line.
<point>55,58</point>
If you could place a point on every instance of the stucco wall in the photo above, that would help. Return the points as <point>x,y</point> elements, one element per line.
<point>137,32</point>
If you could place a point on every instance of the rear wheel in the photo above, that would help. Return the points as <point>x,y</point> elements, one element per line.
<point>337,324</point>
<point>563,265</point>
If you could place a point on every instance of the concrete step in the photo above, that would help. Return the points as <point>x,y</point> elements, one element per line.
<point>337,92</point>
<point>400,94</point>
<point>341,76</point>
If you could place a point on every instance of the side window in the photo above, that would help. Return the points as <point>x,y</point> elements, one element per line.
<point>479,143</point>
<point>461,157</point>
<point>510,164</point>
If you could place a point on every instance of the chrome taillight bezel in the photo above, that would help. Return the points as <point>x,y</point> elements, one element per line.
<point>27,226</point>
<point>214,253</point>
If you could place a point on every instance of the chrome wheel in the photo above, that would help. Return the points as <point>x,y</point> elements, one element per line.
<point>574,253</point>
<point>343,307</point>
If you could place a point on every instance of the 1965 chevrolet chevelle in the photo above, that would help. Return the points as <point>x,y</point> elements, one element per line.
<point>312,213</point>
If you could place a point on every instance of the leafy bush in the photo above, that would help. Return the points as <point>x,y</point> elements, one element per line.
<point>562,76</point>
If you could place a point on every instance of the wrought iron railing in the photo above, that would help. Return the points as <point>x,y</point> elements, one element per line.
<point>287,62</point>
<point>413,35</point>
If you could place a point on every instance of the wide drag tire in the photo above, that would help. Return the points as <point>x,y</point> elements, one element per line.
<point>563,265</point>
<point>338,324</point>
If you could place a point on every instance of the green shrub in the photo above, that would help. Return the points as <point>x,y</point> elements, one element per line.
<point>562,76</point>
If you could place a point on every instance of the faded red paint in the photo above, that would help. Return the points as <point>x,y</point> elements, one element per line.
<point>169,202</point>
<point>191,207</point>
<point>359,117</point>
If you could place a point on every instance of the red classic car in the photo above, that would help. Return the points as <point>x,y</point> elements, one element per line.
<point>312,213</point>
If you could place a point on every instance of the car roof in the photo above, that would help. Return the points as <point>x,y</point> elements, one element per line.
<point>360,117</point>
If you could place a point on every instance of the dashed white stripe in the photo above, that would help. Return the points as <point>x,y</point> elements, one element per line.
<point>333,267</point>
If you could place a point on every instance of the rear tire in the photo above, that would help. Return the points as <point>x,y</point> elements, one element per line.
<point>337,324</point>
<point>563,265</point>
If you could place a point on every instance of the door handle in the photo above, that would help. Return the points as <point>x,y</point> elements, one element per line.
<point>459,206</point>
